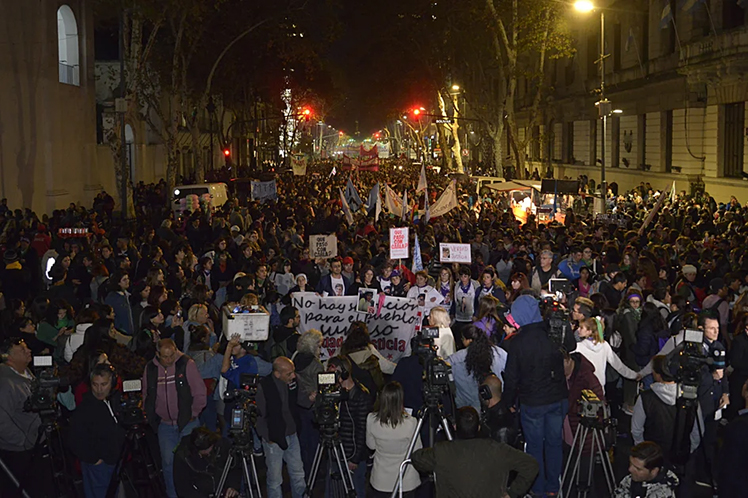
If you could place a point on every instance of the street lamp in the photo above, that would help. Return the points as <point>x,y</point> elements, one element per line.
<point>455,88</point>
<point>604,107</point>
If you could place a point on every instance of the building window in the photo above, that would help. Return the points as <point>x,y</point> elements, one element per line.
<point>733,15</point>
<point>617,46</point>
<point>732,152</point>
<point>67,44</point>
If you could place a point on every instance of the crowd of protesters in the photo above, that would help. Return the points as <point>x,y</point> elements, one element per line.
<point>145,296</point>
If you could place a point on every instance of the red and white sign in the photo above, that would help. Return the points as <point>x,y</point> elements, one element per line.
<point>454,253</point>
<point>399,243</point>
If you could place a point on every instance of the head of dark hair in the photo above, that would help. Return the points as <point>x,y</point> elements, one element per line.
<point>679,301</point>
<point>391,404</point>
<point>650,453</point>
<point>286,314</point>
<point>660,367</point>
<point>357,338</point>
<point>465,270</point>
<point>149,313</point>
<point>620,278</point>
<point>479,353</point>
<point>54,307</point>
<point>467,422</point>
<point>97,335</point>
<point>202,438</point>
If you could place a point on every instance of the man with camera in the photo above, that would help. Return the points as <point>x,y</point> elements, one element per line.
<point>199,461</point>
<point>277,424</point>
<point>355,406</point>
<point>472,466</point>
<point>496,421</point>
<point>535,376</point>
<point>173,397</point>
<point>96,436</point>
<point>18,428</point>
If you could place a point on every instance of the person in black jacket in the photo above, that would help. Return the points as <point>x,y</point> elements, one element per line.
<point>352,417</point>
<point>96,436</point>
<point>534,374</point>
<point>199,461</point>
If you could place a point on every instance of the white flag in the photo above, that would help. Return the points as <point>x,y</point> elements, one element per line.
<point>446,202</point>
<point>426,206</point>
<point>391,201</point>
<point>346,207</point>
<point>422,185</point>
<point>405,206</point>
<point>378,208</point>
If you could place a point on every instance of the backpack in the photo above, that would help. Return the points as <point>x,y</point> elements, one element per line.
<point>369,373</point>
<point>278,349</point>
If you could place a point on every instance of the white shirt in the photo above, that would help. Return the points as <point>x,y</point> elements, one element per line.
<point>334,283</point>
<point>600,355</point>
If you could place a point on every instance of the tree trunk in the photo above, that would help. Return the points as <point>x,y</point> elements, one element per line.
<point>194,129</point>
<point>518,150</point>
<point>172,161</point>
<point>444,145</point>
<point>495,133</point>
<point>457,148</point>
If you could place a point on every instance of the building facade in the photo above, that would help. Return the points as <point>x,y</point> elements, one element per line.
<point>681,83</point>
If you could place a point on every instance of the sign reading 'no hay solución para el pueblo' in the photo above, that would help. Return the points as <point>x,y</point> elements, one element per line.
<point>391,326</point>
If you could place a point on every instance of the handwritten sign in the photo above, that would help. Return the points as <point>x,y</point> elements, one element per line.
<point>454,253</point>
<point>299,163</point>
<point>323,246</point>
<point>399,243</point>
<point>390,327</point>
<point>263,191</point>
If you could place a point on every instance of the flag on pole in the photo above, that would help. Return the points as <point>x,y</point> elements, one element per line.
<point>667,15</point>
<point>417,260</point>
<point>371,201</point>
<point>351,195</point>
<point>378,208</point>
<point>422,184</point>
<point>332,173</point>
<point>346,207</point>
<point>391,201</point>
<point>672,192</point>
<point>691,5</point>
<point>404,215</point>
<point>426,206</point>
<point>446,202</point>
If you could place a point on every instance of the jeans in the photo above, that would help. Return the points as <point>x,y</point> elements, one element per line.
<point>96,479</point>
<point>274,458</point>
<point>169,437</point>
<point>542,427</point>
<point>209,415</point>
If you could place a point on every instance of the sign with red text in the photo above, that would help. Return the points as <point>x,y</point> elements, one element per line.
<point>399,243</point>
<point>454,253</point>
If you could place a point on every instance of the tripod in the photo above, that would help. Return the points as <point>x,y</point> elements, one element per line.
<point>241,447</point>
<point>135,450</point>
<point>429,411</point>
<point>589,427</point>
<point>331,445</point>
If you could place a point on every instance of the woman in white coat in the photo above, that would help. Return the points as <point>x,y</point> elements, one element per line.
<point>592,345</point>
<point>388,432</point>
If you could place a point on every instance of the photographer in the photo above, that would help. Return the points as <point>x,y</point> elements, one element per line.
<point>534,374</point>
<point>96,437</point>
<point>18,428</point>
<point>354,410</point>
<point>497,422</point>
<point>472,466</point>
<point>199,461</point>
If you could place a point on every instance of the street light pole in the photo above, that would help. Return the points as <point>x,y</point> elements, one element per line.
<point>604,108</point>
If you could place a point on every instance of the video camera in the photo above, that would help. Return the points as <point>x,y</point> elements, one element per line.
<point>329,396</point>
<point>590,405</point>
<point>44,388</point>
<point>131,403</point>
<point>244,414</point>
<point>557,317</point>
<point>438,373</point>
<point>687,365</point>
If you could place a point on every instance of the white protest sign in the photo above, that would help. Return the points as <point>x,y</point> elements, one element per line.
<point>262,191</point>
<point>399,243</point>
<point>390,328</point>
<point>454,253</point>
<point>323,246</point>
<point>299,164</point>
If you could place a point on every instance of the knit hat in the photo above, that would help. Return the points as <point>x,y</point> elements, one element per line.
<point>689,269</point>
<point>525,310</point>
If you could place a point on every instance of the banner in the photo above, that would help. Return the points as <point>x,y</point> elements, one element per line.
<point>390,327</point>
<point>417,260</point>
<point>323,246</point>
<point>446,202</point>
<point>422,183</point>
<point>262,191</point>
<point>399,243</point>
<point>454,253</point>
<point>346,207</point>
<point>299,164</point>
<point>391,201</point>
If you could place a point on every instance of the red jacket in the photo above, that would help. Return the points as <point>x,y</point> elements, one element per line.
<point>583,377</point>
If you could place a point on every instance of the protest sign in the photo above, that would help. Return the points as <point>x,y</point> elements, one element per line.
<point>299,163</point>
<point>390,327</point>
<point>323,246</point>
<point>263,191</point>
<point>399,243</point>
<point>454,253</point>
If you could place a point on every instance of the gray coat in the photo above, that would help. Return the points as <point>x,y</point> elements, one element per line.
<point>18,429</point>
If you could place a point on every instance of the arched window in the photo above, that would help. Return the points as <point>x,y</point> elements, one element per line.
<point>67,38</point>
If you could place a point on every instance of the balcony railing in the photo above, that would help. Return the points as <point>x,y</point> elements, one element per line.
<point>69,75</point>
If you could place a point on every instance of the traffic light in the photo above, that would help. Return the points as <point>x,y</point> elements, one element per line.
<point>307,113</point>
<point>376,135</point>
<point>227,155</point>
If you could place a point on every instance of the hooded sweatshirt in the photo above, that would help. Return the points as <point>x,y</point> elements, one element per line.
<point>667,393</point>
<point>76,340</point>
<point>600,355</point>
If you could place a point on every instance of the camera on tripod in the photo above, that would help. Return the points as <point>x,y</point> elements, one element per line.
<point>245,412</point>
<point>590,405</point>
<point>329,395</point>
<point>131,403</point>
<point>438,372</point>
<point>557,317</point>
<point>43,389</point>
<point>687,365</point>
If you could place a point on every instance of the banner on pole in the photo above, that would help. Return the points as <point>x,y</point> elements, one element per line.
<point>399,243</point>
<point>454,253</point>
<point>299,164</point>
<point>391,326</point>
<point>263,191</point>
<point>323,246</point>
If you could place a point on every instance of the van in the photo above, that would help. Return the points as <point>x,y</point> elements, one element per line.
<point>217,191</point>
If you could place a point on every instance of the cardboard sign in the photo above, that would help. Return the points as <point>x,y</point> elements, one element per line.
<point>263,191</point>
<point>399,243</point>
<point>391,326</point>
<point>323,246</point>
<point>454,253</point>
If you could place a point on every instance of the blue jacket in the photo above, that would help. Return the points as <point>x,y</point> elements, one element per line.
<point>466,385</point>
<point>495,292</point>
<point>325,285</point>
<point>122,312</point>
<point>569,269</point>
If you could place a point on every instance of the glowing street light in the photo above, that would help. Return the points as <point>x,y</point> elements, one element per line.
<point>584,6</point>
<point>455,88</point>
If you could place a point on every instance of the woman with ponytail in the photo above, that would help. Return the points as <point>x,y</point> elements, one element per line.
<point>473,364</point>
<point>593,346</point>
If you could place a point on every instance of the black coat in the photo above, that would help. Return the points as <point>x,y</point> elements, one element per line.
<point>196,477</point>
<point>94,433</point>
<point>733,479</point>
<point>352,432</point>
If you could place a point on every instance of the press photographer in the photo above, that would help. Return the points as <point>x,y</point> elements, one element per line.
<point>497,422</point>
<point>96,435</point>
<point>199,461</point>
<point>18,428</point>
